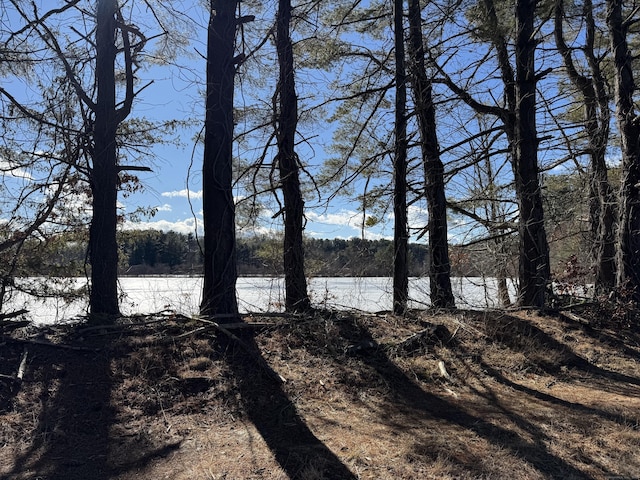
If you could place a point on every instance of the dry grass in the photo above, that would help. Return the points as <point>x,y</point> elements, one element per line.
<point>527,397</point>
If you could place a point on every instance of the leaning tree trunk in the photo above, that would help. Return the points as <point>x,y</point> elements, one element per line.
<point>220,270</point>
<point>400,232</point>
<point>297,298</point>
<point>534,271</point>
<point>628,242</point>
<point>103,249</point>
<point>439,265</point>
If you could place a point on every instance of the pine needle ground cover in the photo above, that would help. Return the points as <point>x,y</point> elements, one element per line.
<point>331,395</point>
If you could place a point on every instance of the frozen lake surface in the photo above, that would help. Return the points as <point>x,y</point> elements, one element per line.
<point>255,294</point>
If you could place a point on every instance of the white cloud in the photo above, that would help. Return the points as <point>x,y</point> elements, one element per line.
<point>417,216</point>
<point>258,230</point>
<point>6,169</point>
<point>184,226</point>
<point>165,208</point>
<point>344,218</point>
<point>184,193</point>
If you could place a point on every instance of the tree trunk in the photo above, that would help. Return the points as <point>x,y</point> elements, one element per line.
<point>297,298</point>
<point>596,118</point>
<point>400,232</point>
<point>103,249</point>
<point>439,265</point>
<point>628,241</point>
<point>534,271</point>
<point>499,251</point>
<point>220,270</point>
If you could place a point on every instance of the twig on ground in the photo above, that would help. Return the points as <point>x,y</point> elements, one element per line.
<point>34,341</point>
<point>256,357</point>
<point>228,326</point>
<point>574,318</point>
<point>189,333</point>
<point>125,326</point>
<point>23,365</point>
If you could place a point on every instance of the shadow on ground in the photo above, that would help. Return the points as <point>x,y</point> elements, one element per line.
<point>298,451</point>
<point>73,414</point>
<point>548,355</point>
<point>522,439</point>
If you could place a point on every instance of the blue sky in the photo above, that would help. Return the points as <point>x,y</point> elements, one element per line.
<point>174,187</point>
<point>176,94</point>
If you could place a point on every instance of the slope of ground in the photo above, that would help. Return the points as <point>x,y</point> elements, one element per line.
<point>334,395</point>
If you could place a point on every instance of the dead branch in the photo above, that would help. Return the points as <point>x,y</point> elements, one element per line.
<point>23,365</point>
<point>137,168</point>
<point>574,318</point>
<point>7,378</point>
<point>430,335</point>
<point>46,343</point>
<point>121,327</point>
<point>236,325</point>
<point>17,313</point>
<point>190,333</point>
<point>255,356</point>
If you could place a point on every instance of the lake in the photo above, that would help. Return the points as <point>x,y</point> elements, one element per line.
<point>256,294</point>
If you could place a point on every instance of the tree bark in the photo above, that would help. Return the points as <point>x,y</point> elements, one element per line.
<point>519,120</point>
<point>628,240</point>
<point>400,232</point>
<point>534,270</point>
<point>103,249</point>
<point>439,265</point>
<point>596,119</point>
<point>220,270</point>
<point>296,296</point>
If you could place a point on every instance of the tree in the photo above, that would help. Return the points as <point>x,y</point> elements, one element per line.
<point>356,49</point>
<point>297,298</point>
<point>37,152</point>
<point>534,268</point>
<point>98,119</point>
<point>400,228</point>
<point>596,119</point>
<point>628,239</point>
<point>103,247</point>
<point>491,205</point>
<point>518,118</point>
<point>439,265</point>
<point>220,270</point>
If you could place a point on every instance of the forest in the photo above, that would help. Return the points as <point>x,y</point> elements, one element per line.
<point>479,115</point>
<point>152,252</point>
<point>485,138</point>
<point>510,129</point>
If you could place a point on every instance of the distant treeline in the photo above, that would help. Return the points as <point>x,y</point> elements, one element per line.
<point>152,252</point>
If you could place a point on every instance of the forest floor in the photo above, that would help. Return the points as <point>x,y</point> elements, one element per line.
<point>332,395</point>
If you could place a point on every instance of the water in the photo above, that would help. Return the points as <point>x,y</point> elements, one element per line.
<point>255,294</point>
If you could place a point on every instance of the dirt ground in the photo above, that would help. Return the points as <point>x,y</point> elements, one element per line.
<point>332,395</point>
